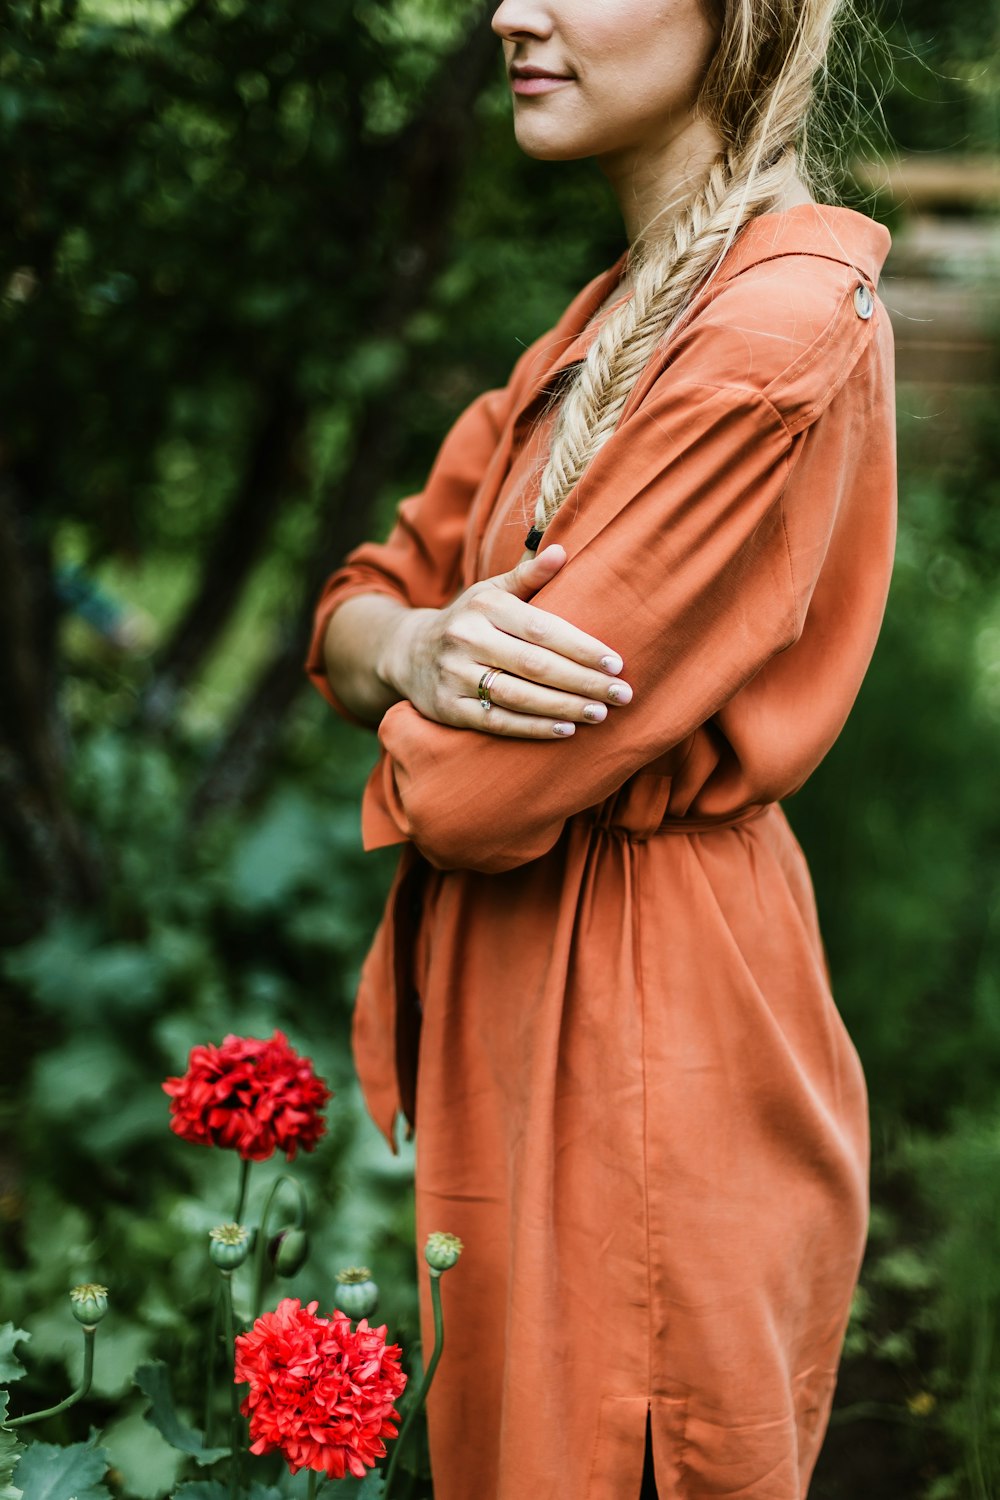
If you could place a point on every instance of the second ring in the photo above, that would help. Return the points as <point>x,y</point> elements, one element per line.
<point>485,683</point>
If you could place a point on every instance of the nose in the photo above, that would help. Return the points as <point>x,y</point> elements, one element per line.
<point>516,20</point>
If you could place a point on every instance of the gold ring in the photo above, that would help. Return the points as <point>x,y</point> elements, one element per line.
<point>485,683</point>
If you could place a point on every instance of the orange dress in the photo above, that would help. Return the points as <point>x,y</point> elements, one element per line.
<point>599,988</point>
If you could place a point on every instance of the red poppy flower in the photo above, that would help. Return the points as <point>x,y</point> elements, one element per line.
<point>250,1096</point>
<point>320,1394</point>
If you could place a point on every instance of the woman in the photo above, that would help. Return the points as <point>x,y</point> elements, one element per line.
<point>630,611</point>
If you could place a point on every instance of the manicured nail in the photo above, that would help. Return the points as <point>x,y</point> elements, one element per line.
<point>620,692</point>
<point>564,729</point>
<point>612,665</point>
<point>595,712</point>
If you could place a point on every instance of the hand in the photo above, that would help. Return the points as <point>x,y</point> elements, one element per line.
<point>553,676</point>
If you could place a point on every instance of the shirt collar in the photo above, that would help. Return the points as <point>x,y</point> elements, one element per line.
<point>822,229</point>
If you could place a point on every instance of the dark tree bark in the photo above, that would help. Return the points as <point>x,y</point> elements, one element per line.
<point>245,750</point>
<point>435,149</point>
<point>238,544</point>
<point>39,830</point>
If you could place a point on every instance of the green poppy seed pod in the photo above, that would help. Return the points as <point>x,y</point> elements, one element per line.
<point>442,1251</point>
<point>89,1303</point>
<point>228,1245</point>
<point>357,1294</point>
<point>289,1251</point>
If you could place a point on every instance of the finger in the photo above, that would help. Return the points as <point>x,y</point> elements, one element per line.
<point>531,572</point>
<point>512,726</point>
<point>548,670</point>
<point>539,627</point>
<point>522,697</point>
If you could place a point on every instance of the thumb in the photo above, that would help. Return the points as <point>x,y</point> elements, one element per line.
<point>529,576</point>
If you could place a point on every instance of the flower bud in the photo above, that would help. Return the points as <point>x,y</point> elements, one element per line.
<point>89,1303</point>
<point>289,1251</point>
<point>442,1251</point>
<point>357,1294</point>
<point>228,1245</point>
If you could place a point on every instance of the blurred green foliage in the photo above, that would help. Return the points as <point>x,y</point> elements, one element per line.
<point>254,258</point>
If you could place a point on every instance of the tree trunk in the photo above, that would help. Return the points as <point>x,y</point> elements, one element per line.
<point>237,546</point>
<point>39,831</point>
<point>435,149</point>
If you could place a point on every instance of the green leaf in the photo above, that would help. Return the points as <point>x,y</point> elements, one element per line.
<point>148,1466</point>
<point>48,1472</point>
<point>278,855</point>
<point>211,1489</point>
<point>11,1367</point>
<point>68,971</point>
<point>153,1380</point>
<point>372,1486</point>
<point>10,1455</point>
<point>75,1080</point>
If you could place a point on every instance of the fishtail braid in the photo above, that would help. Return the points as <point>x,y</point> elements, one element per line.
<point>762,113</point>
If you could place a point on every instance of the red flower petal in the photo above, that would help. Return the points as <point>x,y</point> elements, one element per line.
<point>320,1394</point>
<point>251,1096</point>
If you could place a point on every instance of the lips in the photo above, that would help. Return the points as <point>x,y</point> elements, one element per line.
<point>529,78</point>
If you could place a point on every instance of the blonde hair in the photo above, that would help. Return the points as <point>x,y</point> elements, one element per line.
<point>759,93</point>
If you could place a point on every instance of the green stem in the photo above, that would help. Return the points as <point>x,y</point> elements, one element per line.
<point>260,1247</point>
<point>235,1435</point>
<point>241,1192</point>
<point>313,1485</point>
<point>425,1384</point>
<point>213,1333</point>
<point>78,1394</point>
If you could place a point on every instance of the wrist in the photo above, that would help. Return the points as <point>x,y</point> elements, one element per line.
<point>398,650</point>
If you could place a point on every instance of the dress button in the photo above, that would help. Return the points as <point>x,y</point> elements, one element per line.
<point>864,302</point>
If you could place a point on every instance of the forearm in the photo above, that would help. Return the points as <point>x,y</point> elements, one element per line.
<point>365,650</point>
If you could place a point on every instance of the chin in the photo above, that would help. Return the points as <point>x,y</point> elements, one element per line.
<point>545,145</point>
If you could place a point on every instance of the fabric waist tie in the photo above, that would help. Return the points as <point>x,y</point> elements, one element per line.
<point>677,825</point>
<point>708,825</point>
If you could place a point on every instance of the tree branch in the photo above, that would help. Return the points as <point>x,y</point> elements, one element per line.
<point>233,554</point>
<point>38,828</point>
<point>436,147</point>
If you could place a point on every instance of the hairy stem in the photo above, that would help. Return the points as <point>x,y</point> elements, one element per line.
<point>210,1365</point>
<point>235,1435</point>
<point>260,1247</point>
<point>425,1384</point>
<point>78,1394</point>
<point>241,1194</point>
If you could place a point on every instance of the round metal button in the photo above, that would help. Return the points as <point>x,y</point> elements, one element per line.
<point>864,302</point>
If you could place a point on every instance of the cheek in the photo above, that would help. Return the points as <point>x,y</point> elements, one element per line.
<point>645,56</point>
<point>639,65</point>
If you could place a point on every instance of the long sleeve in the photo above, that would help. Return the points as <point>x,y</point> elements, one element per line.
<point>694,552</point>
<point>420,562</point>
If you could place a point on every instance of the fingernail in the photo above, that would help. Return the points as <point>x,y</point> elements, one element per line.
<point>564,729</point>
<point>612,664</point>
<point>595,712</point>
<point>620,692</point>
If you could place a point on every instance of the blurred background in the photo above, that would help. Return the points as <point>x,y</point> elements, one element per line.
<point>255,256</point>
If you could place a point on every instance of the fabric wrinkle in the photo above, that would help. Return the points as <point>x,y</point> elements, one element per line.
<point>636,1100</point>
